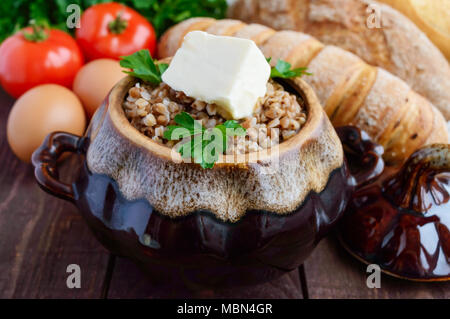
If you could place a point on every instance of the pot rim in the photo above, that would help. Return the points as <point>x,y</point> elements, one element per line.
<point>314,118</point>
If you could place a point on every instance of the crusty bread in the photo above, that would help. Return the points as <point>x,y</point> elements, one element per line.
<point>255,32</point>
<point>225,27</point>
<point>179,33</point>
<point>351,91</point>
<point>399,46</point>
<point>432,17</point>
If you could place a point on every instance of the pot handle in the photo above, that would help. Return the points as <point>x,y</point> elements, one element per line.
<point>45,161</point>
<point>364,157</point>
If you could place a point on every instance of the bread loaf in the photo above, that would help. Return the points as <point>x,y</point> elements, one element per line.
<point>432,17</point>
<point>398,45</point>
<point>351,91</point>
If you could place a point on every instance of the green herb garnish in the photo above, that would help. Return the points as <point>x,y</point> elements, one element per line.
<point>143,66</point>
<point>161,13</point>
<point>203,145</point>
<point>283,70</point>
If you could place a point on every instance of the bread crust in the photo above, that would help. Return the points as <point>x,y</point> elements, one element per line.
<point>294,47</point>
<point>437,31</point>
<point>167,48</point>
<point>255,32</point>
<point>351,91</point>
<point>399,46</point>
<point>226,27</point>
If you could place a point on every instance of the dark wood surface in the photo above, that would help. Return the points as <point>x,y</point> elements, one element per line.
<point>332,273</point>
<point>41,235</point>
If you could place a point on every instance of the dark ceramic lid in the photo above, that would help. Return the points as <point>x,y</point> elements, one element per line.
<point>401,222</point>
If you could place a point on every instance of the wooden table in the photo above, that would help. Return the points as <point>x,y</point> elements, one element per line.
<point>41,235</point>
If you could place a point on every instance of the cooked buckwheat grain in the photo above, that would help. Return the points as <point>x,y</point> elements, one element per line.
<point>278,116</point>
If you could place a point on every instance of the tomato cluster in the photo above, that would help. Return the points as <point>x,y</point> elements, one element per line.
<point>38,55</point>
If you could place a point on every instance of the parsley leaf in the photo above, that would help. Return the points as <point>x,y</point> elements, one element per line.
<point>233,125</point>
<point>165,13</point>
<point>203,145</point>
<point>283,70</point>
<point>143,66</point>
<point>185,120</point>
<point>162,67</point>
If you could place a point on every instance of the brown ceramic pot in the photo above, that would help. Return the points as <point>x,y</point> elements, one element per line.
<point>247,220</point>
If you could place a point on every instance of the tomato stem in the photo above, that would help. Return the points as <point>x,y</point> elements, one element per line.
<point>118,25</point>
<point>38,33</point>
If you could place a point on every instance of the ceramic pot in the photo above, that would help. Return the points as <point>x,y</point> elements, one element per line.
<point>247,220</point>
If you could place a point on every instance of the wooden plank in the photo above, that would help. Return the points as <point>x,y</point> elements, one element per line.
<point>129,282</point>
<point>41,235</point>
<point>332,273</point>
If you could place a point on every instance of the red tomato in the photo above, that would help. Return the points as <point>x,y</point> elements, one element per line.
<point>110,30</point>
<point>53,57</point>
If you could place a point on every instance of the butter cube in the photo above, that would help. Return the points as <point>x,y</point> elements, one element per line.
<point>227,71</point>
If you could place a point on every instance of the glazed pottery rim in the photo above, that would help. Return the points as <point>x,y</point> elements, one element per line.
<point>383,269</point>
<point>124,127</point>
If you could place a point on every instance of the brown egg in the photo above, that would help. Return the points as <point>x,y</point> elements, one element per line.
<point>94,81</point>
<point>42,110</point>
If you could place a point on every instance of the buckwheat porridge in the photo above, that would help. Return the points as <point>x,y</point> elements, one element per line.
<point>278,116</point>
